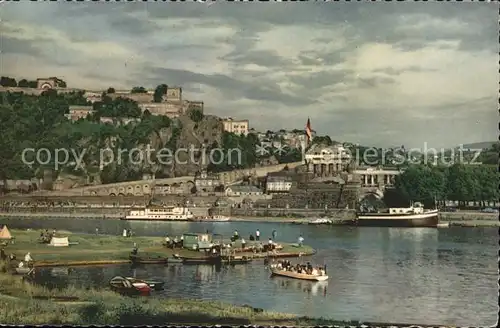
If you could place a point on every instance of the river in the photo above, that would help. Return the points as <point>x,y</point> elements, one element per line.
<point>421,276</point>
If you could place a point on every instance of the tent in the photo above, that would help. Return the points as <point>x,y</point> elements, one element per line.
<point>5,233</point>
<point>59,241</point>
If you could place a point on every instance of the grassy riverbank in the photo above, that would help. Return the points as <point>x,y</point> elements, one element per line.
<point>101,249</point>
<point>19,304</point>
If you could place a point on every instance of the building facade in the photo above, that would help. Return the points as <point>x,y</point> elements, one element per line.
<point>240,190</point>
<point>235,126</point>
<point>78,112</point>
<point>206,183</point>
<point>279,182</point>
<point>327,160</point>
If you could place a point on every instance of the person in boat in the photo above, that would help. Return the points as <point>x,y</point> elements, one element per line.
<point>301,241</point>
<point>12,257</point>
<point>28,259</point>
<point>21,264</point>
<point>257,235</point>
<point>274,233</point>
<point>243,243</point>
<point>135,250</point>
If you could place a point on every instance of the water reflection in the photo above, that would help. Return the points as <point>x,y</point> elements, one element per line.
<point>308,287</point>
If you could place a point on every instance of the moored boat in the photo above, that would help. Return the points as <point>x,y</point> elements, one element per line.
<point>148,260</point>
<point>160,213</point>
<point>152,283</point>
<point>303,276</point>
<point>24,270</point>
<point>122,285</point>
<point>236,260</point>
<point>414,216</point>
<point>202,260</point>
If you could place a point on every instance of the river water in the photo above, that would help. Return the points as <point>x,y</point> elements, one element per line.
<point>421,276</point>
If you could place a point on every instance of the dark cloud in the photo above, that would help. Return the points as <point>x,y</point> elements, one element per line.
<point>258,57</point>
<point>320,80</point>
<point>17,46</point>
<point>233,88</point>
<point>395,72</point>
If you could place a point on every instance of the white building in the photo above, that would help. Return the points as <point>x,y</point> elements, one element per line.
<point>235,126</point>
<point>239,190</point>
<point>278,182</point>
<point>324,160</point>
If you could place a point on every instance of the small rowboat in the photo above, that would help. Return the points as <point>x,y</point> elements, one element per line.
<point>124,286</point>
<point>148,260</point>
<point>296,275</point>
<point>24,270</point>
<point>154,284</point>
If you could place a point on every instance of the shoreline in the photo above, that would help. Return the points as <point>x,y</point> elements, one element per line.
<point>454,219</point>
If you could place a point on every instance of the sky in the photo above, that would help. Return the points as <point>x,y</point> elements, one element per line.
<point>378,74</point>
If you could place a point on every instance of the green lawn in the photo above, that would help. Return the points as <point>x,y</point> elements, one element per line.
<point>103,248</point>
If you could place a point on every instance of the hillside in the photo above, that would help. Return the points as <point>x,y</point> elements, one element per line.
<point>38,122</point>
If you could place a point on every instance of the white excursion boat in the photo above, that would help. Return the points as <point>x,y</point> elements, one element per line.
<point>414,216</point>
<point>303,276</point>
<point>167,213</point>
<point>218,218</point>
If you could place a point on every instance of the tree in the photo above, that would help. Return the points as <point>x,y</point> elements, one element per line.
<point>23,83</point>
<point>110,90</point>
<point>196,115</point>
<point>32,84</point>
<point>6,81</point>
<point>138,90</point>
<point>160,91</point>
<point>193,190</point>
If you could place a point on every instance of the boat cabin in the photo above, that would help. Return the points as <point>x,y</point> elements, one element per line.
<point>417,208</point>
<point>197,241</point>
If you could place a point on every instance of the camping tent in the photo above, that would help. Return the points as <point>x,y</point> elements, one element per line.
<point>5,233</point>
<point>59,241</point>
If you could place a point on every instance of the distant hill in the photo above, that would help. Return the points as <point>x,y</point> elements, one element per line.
<point>478,145</point>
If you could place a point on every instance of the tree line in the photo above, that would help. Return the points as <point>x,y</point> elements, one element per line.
<point>430,184</point>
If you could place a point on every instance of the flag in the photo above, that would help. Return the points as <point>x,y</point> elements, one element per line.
<point>308,130</point>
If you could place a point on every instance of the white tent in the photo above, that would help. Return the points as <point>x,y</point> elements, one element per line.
<point>59,241</point>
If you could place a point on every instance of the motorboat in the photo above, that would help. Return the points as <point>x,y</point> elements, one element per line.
<point>413,216</point>
<point>124,286</point>
<point>303,276</point>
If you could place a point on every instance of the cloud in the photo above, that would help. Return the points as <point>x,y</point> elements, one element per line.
<point>367,74</point>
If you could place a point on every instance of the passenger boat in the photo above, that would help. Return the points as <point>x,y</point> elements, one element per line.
<point>148,260</point>
<point>154,284</point>
<point>413,216</point>
<point>157,213</point>
<point>303,276</point>
<point>122,285</point>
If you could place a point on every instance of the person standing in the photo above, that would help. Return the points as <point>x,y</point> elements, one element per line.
<point>257,235</point>
<point>243,243</point>
<point>301,241</point>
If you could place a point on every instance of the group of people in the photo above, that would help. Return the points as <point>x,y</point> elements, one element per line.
<point>175,242</point>
<point>28,260</point>
<point>46,236</point>
<point>307,268</point>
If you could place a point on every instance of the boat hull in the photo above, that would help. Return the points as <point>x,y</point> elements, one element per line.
<point>424,220</point>
<point>138,218</point>
<point>295,275</point>
<point>145,260</point>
